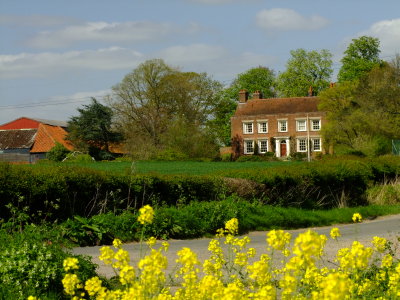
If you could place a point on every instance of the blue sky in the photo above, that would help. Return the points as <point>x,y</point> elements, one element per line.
<point>55,55</point>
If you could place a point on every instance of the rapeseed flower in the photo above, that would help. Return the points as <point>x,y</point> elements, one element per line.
<point>335,233</point>
<point>379,243</point>
<point>357,218</point>
<point>146,215</point>
<point>70,263</point>
<point>232,226</point>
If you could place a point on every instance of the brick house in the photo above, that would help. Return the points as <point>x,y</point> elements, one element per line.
<point>280,125</point>
<point>27,140</point>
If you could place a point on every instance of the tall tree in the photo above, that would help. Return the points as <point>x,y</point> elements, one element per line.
<point>364,114</point>
<point>305,69</point>
<point>255,79</point>
<point>93,127</point>
<point>152,99</point>
<point>359,58</point>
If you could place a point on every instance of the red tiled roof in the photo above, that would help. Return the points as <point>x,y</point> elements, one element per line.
<point>30,123</point>
<point>21,123</point>
<point>277,106</point>
<point>17,138</point>
<point>47,136</point>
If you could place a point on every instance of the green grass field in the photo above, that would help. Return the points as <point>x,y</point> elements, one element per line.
<point>170,167</point>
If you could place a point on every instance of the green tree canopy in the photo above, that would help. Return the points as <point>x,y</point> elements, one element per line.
<point>364,114</point>
<point>155,105</point>
<point>255,79</point>
<point>92,128</point>
<point>305,69</point>
<point>359,58</point>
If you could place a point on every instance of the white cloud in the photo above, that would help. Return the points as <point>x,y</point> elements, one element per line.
<point>282,19</point>
<point>126,32</point>
<point>49,63</point>
<point>388,32</point>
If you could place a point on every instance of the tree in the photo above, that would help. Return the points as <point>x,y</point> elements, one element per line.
<point>155,99</point>
<point>359,58</point>
<point>92,129</point>
<point>305,69</point>
<point>255,79</point>
<point>364,114</point>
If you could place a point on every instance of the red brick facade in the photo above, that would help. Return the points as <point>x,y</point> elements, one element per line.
<point>280,125</point>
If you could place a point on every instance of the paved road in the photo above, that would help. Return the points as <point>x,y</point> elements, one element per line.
<point>388,227</point>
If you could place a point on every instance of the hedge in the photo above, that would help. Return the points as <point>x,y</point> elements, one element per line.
<point>59,192</point>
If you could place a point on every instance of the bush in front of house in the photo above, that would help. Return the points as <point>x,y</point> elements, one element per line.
<point>57,153</point>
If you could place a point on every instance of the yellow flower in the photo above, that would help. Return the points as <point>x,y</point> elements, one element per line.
<point>117,243</point>
<point>151,241</point>
<point>70,263</point>
<point>93,286</point>
<point>32,298</point>
<point>387,261</point>
<point>278,239</point>
<point>357,218</point>
<point>232,226</point>
<point>379,243</point>
<point>335,233</point>
<point>146,215</point>
<point>107,255</point>
<point>70,283</point>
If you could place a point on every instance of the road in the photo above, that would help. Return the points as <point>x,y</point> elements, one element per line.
<point>388,227</point>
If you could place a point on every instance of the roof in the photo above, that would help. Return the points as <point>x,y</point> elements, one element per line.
<point>17,138</point>
<point>274,106</point>
<point>52,122</point>
<point>47,137</point>
<point>31,123</point>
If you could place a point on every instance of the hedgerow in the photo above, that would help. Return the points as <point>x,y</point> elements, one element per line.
<point>59,192</point>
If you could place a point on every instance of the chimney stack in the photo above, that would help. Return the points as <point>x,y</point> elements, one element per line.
<point>243,96</point>
<point>257,95</point>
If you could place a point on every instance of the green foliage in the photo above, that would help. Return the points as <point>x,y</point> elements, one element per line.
<point>260,79</point>
<point>171,155</point>
<point>305,69</point>
<point>159,107</point>
<point>361,56</point>
<point>93,127</point>
<point>226,157</point>
<point>34,268</point>
<point>363,115</point>
<point>77,157</point>
<point>57,153</point>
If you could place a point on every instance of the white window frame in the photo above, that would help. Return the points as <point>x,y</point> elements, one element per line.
<point>245,149</point>
<point>280,124</point>
<point>246,127</point>
<point>313,140</point>
<point>304,124</point>
<point>259,146</point>
<point>312,124</point>
<point>260,126</point>
<point>300,145</point>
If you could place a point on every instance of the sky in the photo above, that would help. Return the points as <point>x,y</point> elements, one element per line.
<point>56,55</point>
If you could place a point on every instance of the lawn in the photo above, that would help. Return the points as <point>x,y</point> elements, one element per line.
<point>170,167</point>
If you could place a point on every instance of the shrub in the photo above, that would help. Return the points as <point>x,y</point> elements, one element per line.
<point>36,269</point>
<point>57,153</point>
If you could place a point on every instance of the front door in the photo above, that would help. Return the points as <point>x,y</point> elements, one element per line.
<point>283,148</point>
